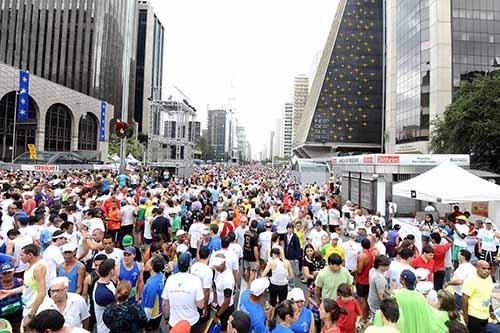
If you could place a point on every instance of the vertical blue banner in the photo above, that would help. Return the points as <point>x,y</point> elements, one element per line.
<point>102,131</point>
<point>24,91</point>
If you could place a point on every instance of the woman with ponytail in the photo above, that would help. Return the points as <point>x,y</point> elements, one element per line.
<point>329,313</point>
<point>284,316</point>
<point>446,311</point>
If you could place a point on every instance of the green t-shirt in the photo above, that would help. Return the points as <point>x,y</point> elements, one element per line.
<point>176,225</point>
<point>329,281</point>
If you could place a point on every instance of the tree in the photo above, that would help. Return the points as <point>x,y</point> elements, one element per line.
<point>204,147</point>
<point>134,147</point>
<point>471,124</point>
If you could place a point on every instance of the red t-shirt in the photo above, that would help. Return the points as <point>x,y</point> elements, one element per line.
<point>440,255</point>
<point>418,262</point>
<point>347,323</point>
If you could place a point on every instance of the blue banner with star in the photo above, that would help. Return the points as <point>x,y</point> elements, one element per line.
<point>102,131</point>
<point>24,92</point>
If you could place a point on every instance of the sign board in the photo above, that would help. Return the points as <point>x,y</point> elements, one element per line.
<point>40,167</point>
<point>402,159</point>
<point>480,208</point>
<point>32,149</point>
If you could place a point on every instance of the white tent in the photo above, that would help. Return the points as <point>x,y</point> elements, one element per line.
<point>448,183</point>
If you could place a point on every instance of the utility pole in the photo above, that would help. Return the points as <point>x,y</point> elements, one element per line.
<point>14,129</point>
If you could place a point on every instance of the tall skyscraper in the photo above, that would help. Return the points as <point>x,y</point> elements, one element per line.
<point>300,93</point>
<point>286,126</point>
<point>149,66</point>
<point>75,43</point>
<point>222,134</point>
<point>344,108</point>
<point>426,61</point>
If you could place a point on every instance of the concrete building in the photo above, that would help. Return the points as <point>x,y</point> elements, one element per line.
<point>59,118</point>
<point>244,154</point>
<point>344,110</point>
<point>78,44</point>
<point>149,65</point>
<point>278,139</point>
<point>222,134</point>
<point>426,60</point>
<point>300,93</point>
<point>172,139</point>
<point>287,130</point>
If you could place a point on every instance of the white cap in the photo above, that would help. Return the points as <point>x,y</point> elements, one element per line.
<point>68,247</point>
<point>296,294</point>
<point>258,286</point>
<point>223,216</point>
<point>217,261</point>
<point>181,248</point>
<point>424,286</point>
<point>422,274</point>
<point>63,235</point>
<point>180,233</point>
<point>60,280</point>
<point>205,231</point>
<point>334,235</point>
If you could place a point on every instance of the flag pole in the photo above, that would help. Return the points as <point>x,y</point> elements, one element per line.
<point>14,129</point>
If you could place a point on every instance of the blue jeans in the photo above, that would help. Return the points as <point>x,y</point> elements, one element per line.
<point>458,301</point>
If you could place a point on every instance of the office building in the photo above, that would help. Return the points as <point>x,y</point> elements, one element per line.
<point>343,112</point>
<point>78,44</point>
<point>149,65</point>
<point>426,60</point>
<point>286,126</point>
<point>300,93</point>
<point>278,139</point>
<point>221,134</point>
<point>244,155</point>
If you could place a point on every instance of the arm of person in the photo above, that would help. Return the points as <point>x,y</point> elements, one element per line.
<point>465,306</point>
<point>166,309</point>
<point>10,248</point>
<point>39,274</point>
<point>85,289</point>
<point>81,277</point>
<point>361,262</point>
<point>290,271</point>
<point>227,299</point>
<point>312,329</point>
<point>267,269</point>
<point>256,254</point>
<point>306,273</point>
<point>140,283</point>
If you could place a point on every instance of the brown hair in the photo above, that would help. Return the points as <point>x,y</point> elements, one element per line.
<point>123,291</point>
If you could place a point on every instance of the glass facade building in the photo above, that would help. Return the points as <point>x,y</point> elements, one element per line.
<point>349,105</point>
<point>76,43</point>
<point>413,70</point>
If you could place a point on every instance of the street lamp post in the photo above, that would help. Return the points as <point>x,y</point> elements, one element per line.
<point>14,129</point>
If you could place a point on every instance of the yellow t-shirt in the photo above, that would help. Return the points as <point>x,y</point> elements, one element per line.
<point>380,329</point>
<point>479,291</point>
<point>328,249</point>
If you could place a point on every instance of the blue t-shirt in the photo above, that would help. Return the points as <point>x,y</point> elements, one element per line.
<point>151,295</point>
<point>122,180</point>
<point>214,244</point>
<point>281,329</point>
<point>303,324</point>
<point>255,312</point>
<point>215,195</point>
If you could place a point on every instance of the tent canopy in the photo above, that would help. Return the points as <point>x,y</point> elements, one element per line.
<point>448,183</point>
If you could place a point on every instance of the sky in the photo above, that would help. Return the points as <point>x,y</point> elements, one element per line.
<point>242,54</point>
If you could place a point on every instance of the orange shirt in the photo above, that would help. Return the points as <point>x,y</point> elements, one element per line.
<point>114,219</point>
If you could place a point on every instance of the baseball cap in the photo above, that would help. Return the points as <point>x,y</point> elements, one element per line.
<point>488,220</point>
<point>68,247</point>
<point>258,286</point>
<point>7,267</point>
<point>422,274</point>
<point>129,249</point>
<point>334,236</point>
<point>424,286</point>
<point>127,240</point>
<point>409,278</point>
<point>296,294</point>
<point>205,231</point>
<point>462,217</point>
<point>182,248</point>
<point>180,233</point>
<point>60,234</point>
<point>217,261</point>
<point>185,259</point>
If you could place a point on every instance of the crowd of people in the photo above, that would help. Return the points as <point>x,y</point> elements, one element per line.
<point>245,249</point>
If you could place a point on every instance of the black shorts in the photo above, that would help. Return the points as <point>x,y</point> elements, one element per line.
<point>153,324</point>
<point>488,256</point>
<point>362,290</point>
<point>224,318</point>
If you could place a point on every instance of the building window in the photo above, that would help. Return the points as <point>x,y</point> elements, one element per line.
<point>87,132</point>
<point>58,128</point>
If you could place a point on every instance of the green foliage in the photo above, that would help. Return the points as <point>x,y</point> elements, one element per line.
<point>471,124</point>
<point>204,147</point>
<point>134,147</point>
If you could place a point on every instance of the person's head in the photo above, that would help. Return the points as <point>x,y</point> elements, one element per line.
<point>106,268</point>
<point>334,239</point>
<point>488,223</point>
<point>157,264</point>
<point>59,238</point>
<point>284,313</point>
<point>335,262</point>
<point>275,252</point>
<point>184,262</point>
<point>483,269</point>
<point>289,228</point>
<point>309,250</point>
<point>406,253</point>
<point>318,225</point>
<point>427,252</point>
<point>296,295</point>
<point>203,252</point>
<point>408,279</point>
<point>68,251</point>
<point>243,221</point>
<point>98,234</point>
<point>455,326</point>
<point>29,253</point>
<point>219,262</point>
<point>7,271</point>
<point>108,243</point>
<point>129,255</point>
<point>429,218</point>
<point>254,224</point>
<point>330,310</point>
<point>436,238</point>
<point>239,322</point>
<point>98,259</point>
<point>381,263</point>
<point>390,310</point>
<point>446,302</point>
<point>366,244</point>
<point>362,231</point>
<point>47,321</point>
<point>123,290</point>
<point>464,256</point>
<point>225,241</point>
<point>344,290</point>
<point>59,289</point>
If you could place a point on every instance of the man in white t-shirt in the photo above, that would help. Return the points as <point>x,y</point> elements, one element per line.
<point>281,222</point>
<point>463,271</point>
<point>224,289</point>
<point>183,296</point>
<point>195,233</point>
<point>486,238</point>
<point>401,263</point>
<point>351,249</point>
<point>461,232</point>
<point>232,262</point>
<point>265,244</point>
<point>52,255</point>
<point>127,212</point>
<point>201,269</point>
<point>110,250</point>
<point>316,234</point>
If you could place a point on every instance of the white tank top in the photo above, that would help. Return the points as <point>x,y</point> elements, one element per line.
<point>19,243</point>
<point>279,276</point>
